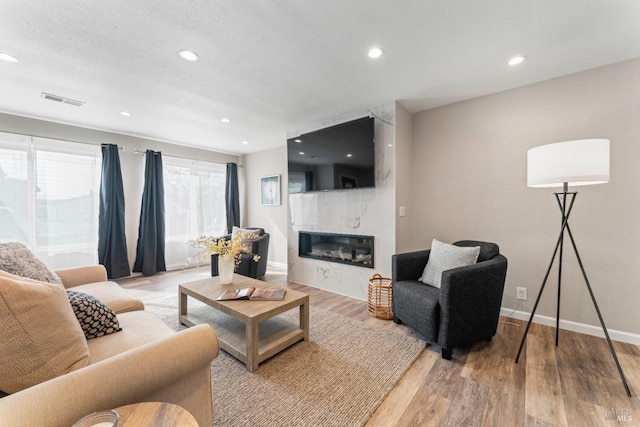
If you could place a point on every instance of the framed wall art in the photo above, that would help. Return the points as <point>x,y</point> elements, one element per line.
<point>270,190</point>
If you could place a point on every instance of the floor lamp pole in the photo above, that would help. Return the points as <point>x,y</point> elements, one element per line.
<point>562,199</point>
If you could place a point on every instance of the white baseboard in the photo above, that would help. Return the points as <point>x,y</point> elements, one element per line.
<point>281,265</point>
<point>573,326</point>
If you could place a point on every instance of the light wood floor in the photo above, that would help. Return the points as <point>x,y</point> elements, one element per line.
<point>574,384</point>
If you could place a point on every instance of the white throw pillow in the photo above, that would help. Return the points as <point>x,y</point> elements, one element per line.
<point>246,237</point>
<point>443,257</point>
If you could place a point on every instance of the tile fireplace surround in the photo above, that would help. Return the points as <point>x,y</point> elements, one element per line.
<point>355,212</point>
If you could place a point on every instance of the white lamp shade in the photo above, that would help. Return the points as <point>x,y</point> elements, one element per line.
<point>580,162</point>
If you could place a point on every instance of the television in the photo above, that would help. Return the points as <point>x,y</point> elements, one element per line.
<point>334,158</point>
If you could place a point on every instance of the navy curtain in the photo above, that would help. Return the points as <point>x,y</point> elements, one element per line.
<point>151,232</point>
<point>232,197</point>
<point>112,242</point>
<point>308,181</point>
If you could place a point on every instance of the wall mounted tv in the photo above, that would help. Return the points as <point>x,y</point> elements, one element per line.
<point>333,158</point>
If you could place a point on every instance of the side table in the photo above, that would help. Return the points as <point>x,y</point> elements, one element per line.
<point>148,414</point>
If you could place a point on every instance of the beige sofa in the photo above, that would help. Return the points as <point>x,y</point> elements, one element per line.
<point>146,361</point>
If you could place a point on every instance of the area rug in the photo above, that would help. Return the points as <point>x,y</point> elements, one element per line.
<point>337,378</point>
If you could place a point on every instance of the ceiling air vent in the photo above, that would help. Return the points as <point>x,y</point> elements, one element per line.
<point>62,99</point>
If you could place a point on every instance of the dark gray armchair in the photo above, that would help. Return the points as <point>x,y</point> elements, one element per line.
<point>463,311</point>
<point>247,266</point>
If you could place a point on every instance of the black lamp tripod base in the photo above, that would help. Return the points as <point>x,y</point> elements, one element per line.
<point>566,211</point>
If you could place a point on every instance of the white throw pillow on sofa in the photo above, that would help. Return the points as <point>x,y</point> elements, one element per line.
<point>443,257</point>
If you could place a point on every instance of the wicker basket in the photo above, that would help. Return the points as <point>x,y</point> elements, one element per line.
<point>379,297</point>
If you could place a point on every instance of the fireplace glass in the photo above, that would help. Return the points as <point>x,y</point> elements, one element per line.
<point>343,248</point>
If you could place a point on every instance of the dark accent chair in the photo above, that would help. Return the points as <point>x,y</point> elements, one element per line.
<point>463,311</point>
<point>247,266</point>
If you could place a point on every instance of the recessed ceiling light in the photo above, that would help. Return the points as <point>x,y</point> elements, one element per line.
<point>187,55</point>
<point>245,142</point>
<point>516,60</point>
<point>125,113</point>
<point>375,52</point>
<point>225,120</point>
<point>349,155</point>
<point>297,140</point>
<point>7,57</point>
<point>301,153</point>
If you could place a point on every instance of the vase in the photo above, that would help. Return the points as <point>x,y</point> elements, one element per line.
<point>226,265</point>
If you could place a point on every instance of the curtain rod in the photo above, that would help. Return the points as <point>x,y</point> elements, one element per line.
<point>136,151</point>
<point>120,147</point>
<point>56,139</point>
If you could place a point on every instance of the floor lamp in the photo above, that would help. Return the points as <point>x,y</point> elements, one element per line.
<point>581,162</point>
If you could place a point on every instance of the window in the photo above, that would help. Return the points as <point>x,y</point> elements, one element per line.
<point>194,205</point>
<point>49,198</point>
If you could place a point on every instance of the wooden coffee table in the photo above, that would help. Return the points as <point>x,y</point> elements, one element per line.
<point>247,330</point>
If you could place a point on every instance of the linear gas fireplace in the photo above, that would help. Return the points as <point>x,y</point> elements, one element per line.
<point>343,248</point>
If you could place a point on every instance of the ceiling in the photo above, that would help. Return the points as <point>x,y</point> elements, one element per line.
<point>275,66</point>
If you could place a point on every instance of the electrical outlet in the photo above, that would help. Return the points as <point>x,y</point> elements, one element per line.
<point>521,293</point>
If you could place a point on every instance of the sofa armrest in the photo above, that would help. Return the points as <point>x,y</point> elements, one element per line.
<point>408,265</point>
<point>470,300</point>
<point>141,374</point>
<point>82,275</point>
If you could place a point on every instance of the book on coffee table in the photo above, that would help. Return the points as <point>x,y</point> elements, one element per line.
<point>253,294</point>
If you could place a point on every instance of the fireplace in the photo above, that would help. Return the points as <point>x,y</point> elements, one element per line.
<point>343,248</point>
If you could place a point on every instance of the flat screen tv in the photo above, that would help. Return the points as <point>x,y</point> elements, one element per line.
<point>334,158</point>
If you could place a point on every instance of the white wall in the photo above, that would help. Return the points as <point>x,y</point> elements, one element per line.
<point>132,164</point>
<point>469,175</point>
<point>272,218</point>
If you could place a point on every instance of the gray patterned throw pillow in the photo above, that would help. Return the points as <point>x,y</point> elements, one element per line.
<point>444,257</point>
<point>16,258</point>
<point>95,317</point>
